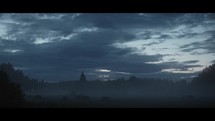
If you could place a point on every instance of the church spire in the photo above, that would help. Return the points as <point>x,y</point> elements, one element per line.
<point>82,77</point>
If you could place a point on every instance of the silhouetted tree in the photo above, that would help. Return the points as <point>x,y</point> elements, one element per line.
<point>18,77</point>
<point>11,94</point>
<point>206,77</point>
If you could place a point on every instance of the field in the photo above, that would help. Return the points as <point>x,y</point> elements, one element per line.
<point>108,102</point>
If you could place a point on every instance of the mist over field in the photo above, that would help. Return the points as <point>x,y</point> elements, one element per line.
<point>107,60</point>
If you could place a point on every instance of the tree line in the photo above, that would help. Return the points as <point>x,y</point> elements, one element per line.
<point>14,84</point>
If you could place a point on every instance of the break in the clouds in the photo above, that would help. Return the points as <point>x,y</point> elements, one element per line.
<point>105,46</point>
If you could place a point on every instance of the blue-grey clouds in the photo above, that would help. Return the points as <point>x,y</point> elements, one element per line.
<point>58,46</point>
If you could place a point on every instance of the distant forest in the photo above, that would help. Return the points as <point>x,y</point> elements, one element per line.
<point>16,88</point>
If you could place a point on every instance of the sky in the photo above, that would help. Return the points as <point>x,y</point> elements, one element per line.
<point>106,46</point>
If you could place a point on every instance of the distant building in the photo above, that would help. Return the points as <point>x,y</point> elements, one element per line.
<point>82,77</point>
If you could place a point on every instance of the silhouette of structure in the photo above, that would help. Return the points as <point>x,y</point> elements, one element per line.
<point>82,77</point>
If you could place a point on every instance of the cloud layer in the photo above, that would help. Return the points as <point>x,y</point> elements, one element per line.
<point>58,47</point>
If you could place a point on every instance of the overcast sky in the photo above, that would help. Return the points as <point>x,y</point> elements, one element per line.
<point>58,47</point>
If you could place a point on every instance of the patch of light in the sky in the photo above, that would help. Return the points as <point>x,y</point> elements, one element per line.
<point>154,62</point>
<point>76,15</point>
<point>104,76</point>
<point>10,37</point>
<point>170,47</point>
<point>209,22</point>
<point>141,14</point>
<point>187,70</point>
<point>201,29</point>
<point>6,19</point>
<point>12,50</point>
<point>154,36</point>
<point>119,72</point>
<point>193,76</point>
<point>137,44</point>
<point>86,29</point>
<point>179,30</point>
<point>144,14</point>
<point>3,30</point>
<point>50,16</point>
<point>186,30</point>
<point>102,70</point>
<point>42,41</point>
<point>68,36</point>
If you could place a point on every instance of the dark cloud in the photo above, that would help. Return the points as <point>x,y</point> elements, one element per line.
<point>183,66</point>
<point>207,45</point>
<point>146,35</point>
<point>60,55</point>
<point>193,66</point>
<point>191,61</point>
<point>152,43</point>
<point>188,35</point>
<point>129,37</point>
<point>129,20</point>
<point>164,36</point>
<point>213,61</point>
<point>191,19</point>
